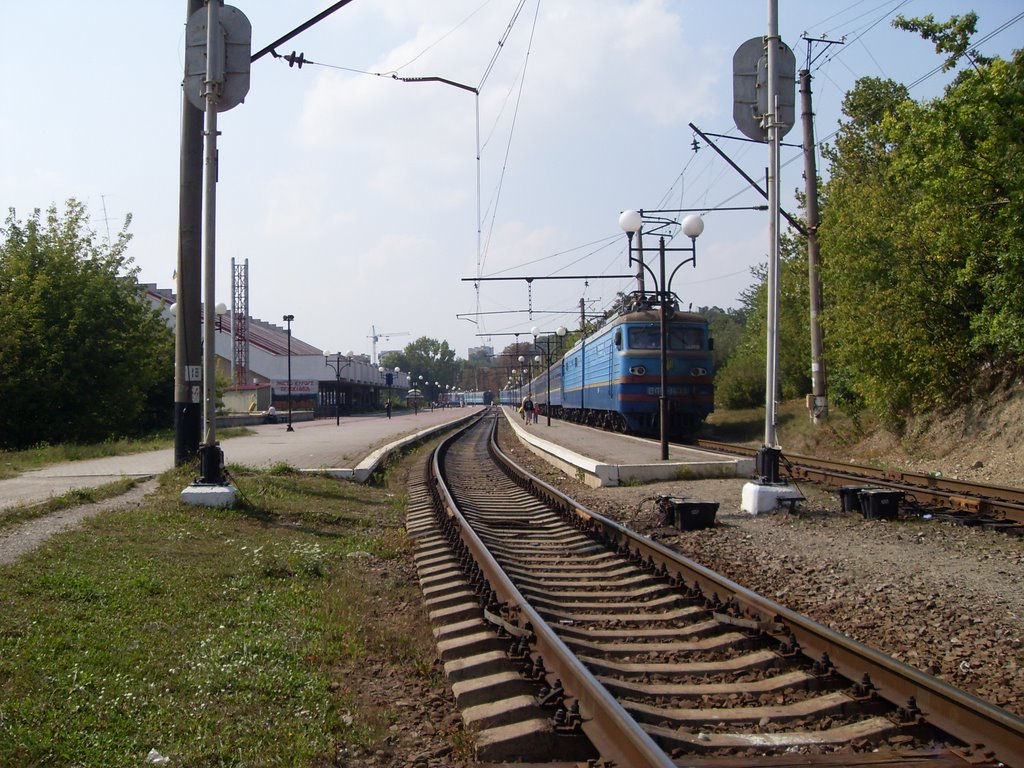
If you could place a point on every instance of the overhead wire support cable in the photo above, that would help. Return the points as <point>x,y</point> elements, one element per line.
<point>445,80</point>
<point>797,225</point>
<point>298,30</point>
<point>530,279</point>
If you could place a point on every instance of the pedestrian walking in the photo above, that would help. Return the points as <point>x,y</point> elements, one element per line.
<point>527,408</point>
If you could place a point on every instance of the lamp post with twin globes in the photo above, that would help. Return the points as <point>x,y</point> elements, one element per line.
<point>631,222</point>
<point>341,362</point>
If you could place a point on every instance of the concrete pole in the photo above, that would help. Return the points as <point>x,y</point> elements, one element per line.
<point>819,397</point>
<point>187,336</point>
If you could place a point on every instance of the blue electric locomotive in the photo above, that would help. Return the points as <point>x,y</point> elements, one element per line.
<point>613,378</point>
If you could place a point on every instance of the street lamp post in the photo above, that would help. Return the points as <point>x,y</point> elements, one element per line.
<point>389,378</point>
<point>419,397</point>
<point>288,319</point>
<point>337,366</point>
<point>559,334</point>
<point>692,225</point>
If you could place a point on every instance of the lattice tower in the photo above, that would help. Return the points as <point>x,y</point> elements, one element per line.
<point>240,323</point>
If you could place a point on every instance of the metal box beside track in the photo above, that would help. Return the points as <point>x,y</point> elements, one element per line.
<point>687,514</point>
<point>849,496</point>
<point>880,504</point>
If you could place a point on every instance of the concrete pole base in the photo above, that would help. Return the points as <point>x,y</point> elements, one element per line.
<point>758,497</point>
<point>207,495</point>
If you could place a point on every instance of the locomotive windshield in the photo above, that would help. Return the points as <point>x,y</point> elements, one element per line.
<point>679,338</point>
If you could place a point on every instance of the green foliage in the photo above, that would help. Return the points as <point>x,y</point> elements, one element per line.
<point>726,328</point>
<point>740,383</point>
<point>952,37</point>
<point>83,356</point>
<point>923,241</point>
<point>433,360</point>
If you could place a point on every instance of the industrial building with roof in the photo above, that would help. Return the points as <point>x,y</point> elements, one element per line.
<point>322,384</point>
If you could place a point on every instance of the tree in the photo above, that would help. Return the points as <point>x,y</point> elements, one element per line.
<point>433,360</point>
<point>726,328</point>
<point>83,355</point>
<point>952,37</point>
<point>740,383</point>
<point>924,266</point>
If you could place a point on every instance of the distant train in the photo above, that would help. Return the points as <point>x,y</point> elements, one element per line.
<point>474,398</point>
<point>613,378</point>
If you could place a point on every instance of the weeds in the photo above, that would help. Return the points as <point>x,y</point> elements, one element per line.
<point>215,637</point>
<point>73,498</point>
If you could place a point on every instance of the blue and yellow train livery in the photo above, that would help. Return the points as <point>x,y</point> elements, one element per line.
<point>613,378</point>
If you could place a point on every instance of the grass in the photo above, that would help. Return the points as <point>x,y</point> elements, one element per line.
<point>216,637</point>
<point>13,463</point>
<point>10,516</point>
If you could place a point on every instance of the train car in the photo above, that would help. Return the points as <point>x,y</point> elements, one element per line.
<point>613,379</point>
<point>509,397</point>
<point>547,393</point>
<point>475,398</point>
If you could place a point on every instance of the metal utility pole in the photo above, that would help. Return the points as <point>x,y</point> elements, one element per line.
<point>763,109</point>
<point>187,338</point>
<point>217,44</point>
<point>640,287</point>
<point>771,120</point>
<point>211,456</point>
<point>583,354</point>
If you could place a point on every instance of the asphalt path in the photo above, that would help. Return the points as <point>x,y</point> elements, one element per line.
<point>312,445</point>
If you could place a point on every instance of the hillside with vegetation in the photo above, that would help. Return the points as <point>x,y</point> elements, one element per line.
<point>922,249</point>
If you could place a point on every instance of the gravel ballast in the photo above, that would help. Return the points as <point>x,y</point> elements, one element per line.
<point>946,599</point>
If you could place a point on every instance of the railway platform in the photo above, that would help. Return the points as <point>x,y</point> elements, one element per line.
<point>600,458</point>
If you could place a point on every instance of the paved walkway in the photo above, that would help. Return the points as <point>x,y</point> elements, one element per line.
<point>312,445</point>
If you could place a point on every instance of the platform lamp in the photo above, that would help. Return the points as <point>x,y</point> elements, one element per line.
<point>692,226</point>
<point>221,309</point>
<point>288,319</point>
<point>522,361</point>
<point>341,362</point>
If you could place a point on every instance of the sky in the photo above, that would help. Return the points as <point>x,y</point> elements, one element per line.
<point>359,200</point>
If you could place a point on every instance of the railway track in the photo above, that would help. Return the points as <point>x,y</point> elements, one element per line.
<point>568,637</point>
<point>994,506</point>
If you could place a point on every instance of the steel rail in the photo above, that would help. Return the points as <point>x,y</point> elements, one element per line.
<point>958,713</point>
<point>951,493</point>
<point>615,734</point>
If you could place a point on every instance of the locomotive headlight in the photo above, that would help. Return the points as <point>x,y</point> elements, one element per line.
<point>698,371</point>
<point>638,370</point>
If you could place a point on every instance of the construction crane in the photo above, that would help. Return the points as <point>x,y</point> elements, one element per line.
<point>375,336</point>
